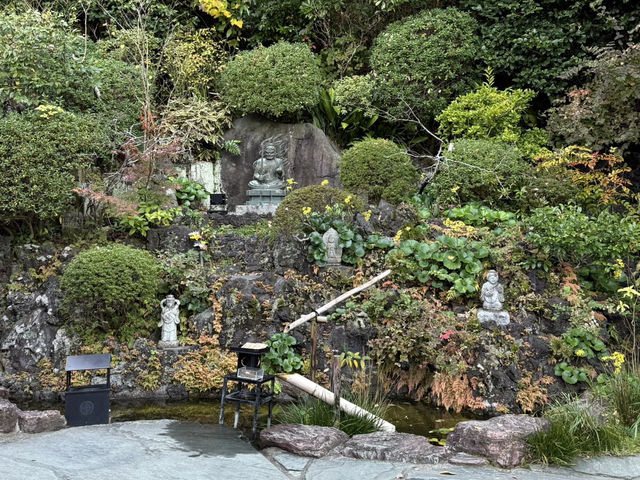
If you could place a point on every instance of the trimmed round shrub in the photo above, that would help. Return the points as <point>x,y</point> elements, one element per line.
<point>111,290</point>
<point>425,60</point>
<point>487,171</point>
<point>378,168</point>
<point>274,81</point>
<point>40,153</point>
<point>288,216</point>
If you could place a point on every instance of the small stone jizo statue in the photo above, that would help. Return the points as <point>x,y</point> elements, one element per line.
<point>332,247</point>
<point>492,296</point>
<point>169,320</point>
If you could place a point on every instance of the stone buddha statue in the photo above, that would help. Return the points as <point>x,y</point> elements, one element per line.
<point>267,171</point>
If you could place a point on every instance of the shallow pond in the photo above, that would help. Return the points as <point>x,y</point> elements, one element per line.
<point>417,418</point>
<point>408,417</point>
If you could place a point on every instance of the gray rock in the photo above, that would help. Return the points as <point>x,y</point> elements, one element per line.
<point>40,421</point>
<point>8,416</point>
<point>4,393</point>
<point>311,154</point>
<point>391,447</point>
<point>306,440</point>
<point>289,253</point>
<point>467,460</point>
<point>62,344</point>
<point>502,440</point>
<point>174,239</point>
<point>5,259</point>
<point>29,333</point>
<point>292,463</point>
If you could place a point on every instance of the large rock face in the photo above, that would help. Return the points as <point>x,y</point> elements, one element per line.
<point>312,156</point>
<point>28,324</point>
<point>502,440</point>
<point>391,447</point>
<point>309,441</point>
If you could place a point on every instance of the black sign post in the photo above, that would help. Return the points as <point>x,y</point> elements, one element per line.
<point>87,404</point>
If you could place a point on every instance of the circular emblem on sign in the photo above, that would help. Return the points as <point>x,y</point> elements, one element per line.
<point>86,408</point>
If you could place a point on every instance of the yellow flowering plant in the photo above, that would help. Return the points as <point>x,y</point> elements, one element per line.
<point>228,16</point>
<point>616,359</point>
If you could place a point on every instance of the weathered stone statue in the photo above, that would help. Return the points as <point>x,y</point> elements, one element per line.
<point>169,319</point>
<point>492,296</point>
<point>267,171</point>
<point>333,248</point>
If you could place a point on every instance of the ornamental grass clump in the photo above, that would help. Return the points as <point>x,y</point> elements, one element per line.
<point>313,411</point>
<point>110,290</point>
<point>580,428</point>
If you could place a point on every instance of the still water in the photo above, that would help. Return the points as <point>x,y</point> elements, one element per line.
<point>408,417</point>
<point>417,418</point>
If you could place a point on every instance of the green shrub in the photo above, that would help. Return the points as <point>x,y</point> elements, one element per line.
<point>491,114</point>
<point>425,60</point>
<point>595,245</point>
<point>276,81</point>
<point>45,61</point>
<point>42,59</point>
<point>121,96</point>
<point>111,290</point>
<point>288,217</point>
<point>40,154</point>
<point>356,92</point>
<point>480,170</point>
<point>380,169</point>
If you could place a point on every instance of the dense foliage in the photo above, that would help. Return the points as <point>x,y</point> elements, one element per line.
<point>112,290</point>
<point>45,60</point>
<point>423,62</point>
<point>532,43</point>
<point>492,172</point>
<point>275,81</point>
<point>41,153</point>
<point>604,112</point>
<point>193,62</point>
<point>379,169</point>
<point>42,59</point>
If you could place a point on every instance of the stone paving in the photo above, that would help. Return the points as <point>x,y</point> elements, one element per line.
<point>168,449</point>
